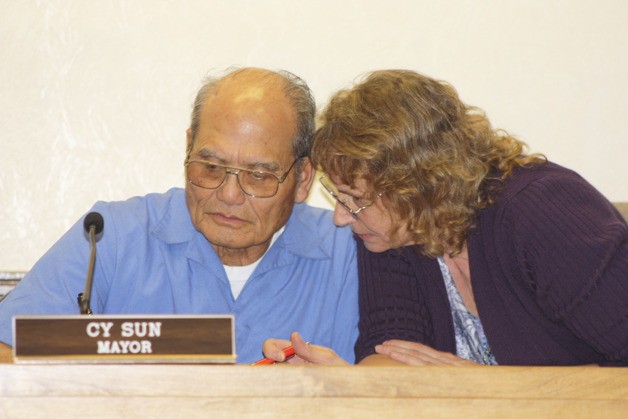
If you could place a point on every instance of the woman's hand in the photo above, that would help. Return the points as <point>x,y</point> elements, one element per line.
<point>413,353</point>
<point>304,352</point>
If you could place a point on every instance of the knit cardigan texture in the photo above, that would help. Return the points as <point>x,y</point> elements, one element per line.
<point>549,273</point>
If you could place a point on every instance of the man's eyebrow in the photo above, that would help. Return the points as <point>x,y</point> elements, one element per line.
<point>203,153</point>
<point>267,166</point>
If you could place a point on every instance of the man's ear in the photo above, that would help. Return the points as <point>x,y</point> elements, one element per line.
<point>188,145</point>
<point>306,177</point>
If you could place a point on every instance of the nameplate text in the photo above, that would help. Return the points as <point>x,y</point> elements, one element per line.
<point>125,339</point>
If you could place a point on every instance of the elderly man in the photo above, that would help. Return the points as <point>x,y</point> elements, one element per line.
<point>238,239</point>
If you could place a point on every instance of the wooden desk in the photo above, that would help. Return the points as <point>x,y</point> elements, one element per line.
<point>188,391</point>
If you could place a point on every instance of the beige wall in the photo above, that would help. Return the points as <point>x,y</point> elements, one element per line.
<point>95,95</point>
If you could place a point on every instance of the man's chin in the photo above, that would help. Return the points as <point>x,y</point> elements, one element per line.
<point>233,240</point>
<point>228,243</point>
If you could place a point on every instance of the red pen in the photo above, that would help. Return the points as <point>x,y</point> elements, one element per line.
<point>288,352</point>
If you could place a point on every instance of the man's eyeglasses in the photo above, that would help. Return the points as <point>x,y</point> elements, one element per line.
<point>254,183</point>
<point>360,203</point>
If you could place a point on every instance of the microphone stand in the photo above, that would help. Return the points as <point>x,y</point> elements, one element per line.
<point>84,297</point>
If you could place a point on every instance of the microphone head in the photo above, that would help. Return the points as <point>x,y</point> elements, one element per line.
<point>94,219</point>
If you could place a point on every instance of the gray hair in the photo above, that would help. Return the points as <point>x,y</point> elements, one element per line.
<point>296,91</point>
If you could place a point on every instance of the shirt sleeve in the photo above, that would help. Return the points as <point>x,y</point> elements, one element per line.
<point>52,285</point>
<point>54,282</point>
<point>573,245</point>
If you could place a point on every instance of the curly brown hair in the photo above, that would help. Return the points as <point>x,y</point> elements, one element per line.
<point>434,159</point>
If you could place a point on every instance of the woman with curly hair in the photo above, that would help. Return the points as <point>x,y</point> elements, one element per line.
<point>469,250</point>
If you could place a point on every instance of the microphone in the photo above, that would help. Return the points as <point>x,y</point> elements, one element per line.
<point>93,225</point>
<point>94,219</point>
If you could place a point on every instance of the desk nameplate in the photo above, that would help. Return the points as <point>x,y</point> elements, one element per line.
<point>124,339</point>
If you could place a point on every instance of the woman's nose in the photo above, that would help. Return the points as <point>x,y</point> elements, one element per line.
<point>342,216</point>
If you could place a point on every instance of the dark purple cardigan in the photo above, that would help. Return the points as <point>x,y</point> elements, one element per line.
<point>549,270</point>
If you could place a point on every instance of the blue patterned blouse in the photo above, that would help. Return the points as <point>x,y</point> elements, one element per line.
<point>471,342</point>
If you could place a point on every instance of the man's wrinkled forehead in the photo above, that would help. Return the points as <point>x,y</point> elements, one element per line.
<point>248,106</point>
<point>249,95</point>
<point>252,97</point>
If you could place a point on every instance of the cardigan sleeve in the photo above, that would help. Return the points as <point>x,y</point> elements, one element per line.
<point>392,298</point>
<point>573,245</point>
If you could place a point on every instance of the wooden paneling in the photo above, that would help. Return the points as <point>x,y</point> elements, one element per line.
<point>623,208</point>
<point>286,391</point>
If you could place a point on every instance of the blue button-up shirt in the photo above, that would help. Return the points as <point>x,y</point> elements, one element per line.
<point>151,260</point>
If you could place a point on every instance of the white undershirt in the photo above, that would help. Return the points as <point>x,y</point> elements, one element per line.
<point>238,275</point>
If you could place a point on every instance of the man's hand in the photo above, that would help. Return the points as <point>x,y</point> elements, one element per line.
<point>304,352</point>
<point>413,353</point>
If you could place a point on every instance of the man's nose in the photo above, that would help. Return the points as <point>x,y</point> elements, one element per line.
<point>230,190</point>
<point>342,216</point>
